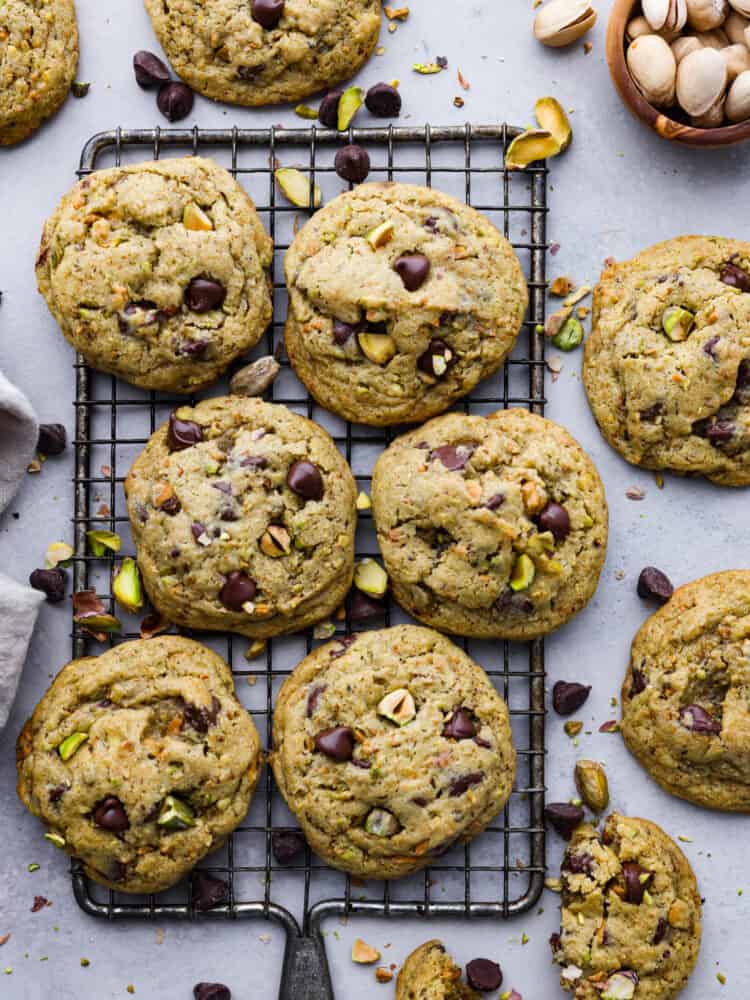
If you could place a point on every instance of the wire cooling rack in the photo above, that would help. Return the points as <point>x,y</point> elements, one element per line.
<point>502,872</point>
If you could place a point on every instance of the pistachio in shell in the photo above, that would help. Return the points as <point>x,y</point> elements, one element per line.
<point>737,107</point>
<point>683,46</point>
<point>533,145</point>
<point>636,27</point>
<point>297,187</point>
<point>734,28</point>
<point>714,39</point>
<point>741,6</point>
<point>552,118</point>
<point>713,118</point>
<point>653,68</point>
<point>667,15</point>
<point>704,15</point>
<point>737,59</point>
<point>562,22</point>
<point>701,81</point>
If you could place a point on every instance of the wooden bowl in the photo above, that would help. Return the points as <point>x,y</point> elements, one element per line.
<point>659,121</point>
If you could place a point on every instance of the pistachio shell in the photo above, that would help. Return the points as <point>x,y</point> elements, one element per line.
<point>703,15</point>
<point>552,118</point>
<point>297,188</point>
<point>734,28</point>
<point>683,46</point>
<point>536,144</point>
<point>715,39</point>
<point>741,6</point>
<point>737,59</point>
<point>665,14</point>
<point>561,22</point>
<point>637,26</point>
<point>701,80</point>
<point>653,68</point>
<point>737,108</point>
<point>713,118</point>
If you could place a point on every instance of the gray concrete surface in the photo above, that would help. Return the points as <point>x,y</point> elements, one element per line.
<point>617,190</point>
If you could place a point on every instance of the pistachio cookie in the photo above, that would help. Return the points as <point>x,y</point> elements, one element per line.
<point>243,515</point>
<point>38,61</point>
<point>429,973</point>
<point>256,52</point>
<point>400,300</point>
<point>667,365</point>
<point>157,272</point>
<point>140,761</point>
<point>685,712</point>
<point>490,526</point>
<point>389,746</point>
<point>630,914</point>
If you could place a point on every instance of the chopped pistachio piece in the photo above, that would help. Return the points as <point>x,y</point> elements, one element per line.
<point>127,588</point>
<point>324,630</point>
<point>175,814</point>
<point>351,101</point>
<point>305,111</point>
<point>363,501</point>
<point>275,541</point>
<point>78,88</point>
<point>371,578</point>
<point>533,145</point>
<point>98,623</point>
<point>677,323</point>
<point>70,744</point>
<point>55,838</point>
<point>523,574</point>
<point>193,217</point>
<point>592,784</point>
<point>570,334</point>
<point>101,541</point>
<point>398,707</point>
<point>363,953</point>
<point>58,553</point>
<point>427,69</point>
<point>297,188</point>
<point>551,117</point>
<point>380,235</point>
<point>256,648</point>
<point>377,347</point>
<point>381,823</point>
<point>573,728</point>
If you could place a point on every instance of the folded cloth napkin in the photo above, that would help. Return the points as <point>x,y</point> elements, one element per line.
<point>19,604</point>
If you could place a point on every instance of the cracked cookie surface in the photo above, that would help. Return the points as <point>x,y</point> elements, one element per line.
<point>388,747</point>
<point>243,518</point>
<point>490,526</point>
<point>157,272</point>
<point>38,60</point>
<point>116,736</point>
<point>401,299</point>
<point>429,973</point>
<point>223,52</point>
<point>678,400</point>
<point>630,913</point>
<point>685,697</point>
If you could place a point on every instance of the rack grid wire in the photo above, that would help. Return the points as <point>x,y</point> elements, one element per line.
<point>502,872</point>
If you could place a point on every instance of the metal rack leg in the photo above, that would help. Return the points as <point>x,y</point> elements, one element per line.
<point>305,974</point>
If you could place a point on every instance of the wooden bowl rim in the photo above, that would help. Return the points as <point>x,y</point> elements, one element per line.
<point>662,124</point>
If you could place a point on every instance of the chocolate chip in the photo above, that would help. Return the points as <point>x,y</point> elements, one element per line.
<point>494,501</point>
<point>555,941</point>
<point>336,743</point>
<point>238,589</point>
<point>343,644</point>
<point>637,682</point>
<point>56,793</point>
<point>171,506</point>
<point>708,347</point>
<point>182,434</point>
<point>110,815</point>
<point>328,111</point>
<point>413,269</point>
<point>342,331</point>
<point>568,696</point>
<point>51,582</point>
<point>453,458</point>
<point>460,726</point>
<point>201,718</point>
<point>654,585</point>
<point>563,817</point>
<point>511,603</point>
<point>661,930</point>
<point>697,719</point>
<point>363,608</point>
<point>460,785</point>
<point>222,487</point>
<point>352,163</point>
<point>742,386</point>
<point>175,101</point>
<point>267,12</point>
<point>437,359</point>
<point>197,529</point>
<point>204,294</point>
<point>211,991</point>
<point>635,886</point>
<point>717,430</point>
<point>254,462</point>
<point>149,70</point>
<point>206,892</point>
<point>651,412</point>
<point>735,277</point>
<point>193,348</point>
<point>383,101</point>
<point>52,439</point>
<point>483,975</point>
<point>287,845</point>
<point>305,480</point>
<point>313,697</point>
<point>556,519</point>
<point>578,864</point>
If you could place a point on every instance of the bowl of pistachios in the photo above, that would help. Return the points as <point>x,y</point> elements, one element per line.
<point>683,67</point>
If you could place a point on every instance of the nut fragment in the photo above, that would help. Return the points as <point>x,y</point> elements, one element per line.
<point>127,588</point>
<point>398,707</point>
<point>653,68</point>
<point>561,22</point>
<point>70,744</point>
<point>351,101</point>
<point>275,541</point>
<point>297,187</point>
<point>534,497</point>
<point>523,574</point>
<point>533,145</point>
<point>363,953</point>
<point>255,378</point>
<point>570,334</point>
<point>552,118</point>
<point>371,578</point>
<point>592,784</point>
<point>377,347</point>
<point>193,217</point>
<point>175,814</point>
<point>701,79</point>
<point>381,823</point>
<point>677,323</point>
<point>380,235</point>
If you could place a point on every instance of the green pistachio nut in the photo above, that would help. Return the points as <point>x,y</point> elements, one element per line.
<point>351,101</point>
<point>70,744</point>
<point>175,814</point>
<point>398,706</point>
<point>523,574</point>
<point>101,541</point>
<point>55,838</point>
<point>570,334</point>
<point>127,586</point>
<point>592,784</point>
<point>677,322</point>
<point>381,823</point>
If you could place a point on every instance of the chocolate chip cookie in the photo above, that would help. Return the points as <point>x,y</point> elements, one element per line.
<point>493,527</point>
<point>140,761</point>
<point>243,518</point>
<point>429,973</point>
<point>388,747</point>
<point>157,272</point>
<point>256,52</point>
<point>38,61</point>
<point>685,698</point>
<point>667,365</point>
<point>630,913</point>
<point>400,300</point>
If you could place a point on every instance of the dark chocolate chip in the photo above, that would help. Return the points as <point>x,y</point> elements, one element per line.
<point>287,845</point>
<point>568,696</point>
<point>578,864</point>
<point>193,348</point>
<point>352,163</point>
<point>383,101</point>
<point>223,487</point>
<point>171,506</point>
<point>254,462</point>
<point>637,682</point>
<point>201,718</point>
<point>494,501</point>
<point>555,941</point>
<point>363,608</point>
<point>742,386</point>
<point>635,886</point>
<point>362,762</point>
<point>238,589</point>
<point>313,697</point>
<point>556,519</point>
<point>204,294</point>
<point>182,433</point>
<point>453,458</point>
<point>110,815</point>
<point>661,930</point>
<point>511,603</point>
<point>437,349</point>
<point>305,480</point>
<point>211,991</point>
<point>735,277</point>
<point>651,412</point>
<point>51,582</point>
<point>709,347</point>
<point>267,13</point>
<point>52,439</point>
<point>343,644</point>
<point>718,430</point>
<point>197,529</point>
<point>413,269</point>
<point>175,101</point>
<point>563,817</point>
<point>207,892</point>
<point>328,111</point>
<point>461,785</point>
<point>336,743</point>
<point>654,585</point>
<point>56,793</point>
<point>343,331</point>
<point>431,224</point>
<point>698,720</point>
<point>460,726</point>
<point>484,975</point>
<point>149,70</point>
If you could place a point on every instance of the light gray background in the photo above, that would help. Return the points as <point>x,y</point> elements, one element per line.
<point>618,189</point>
